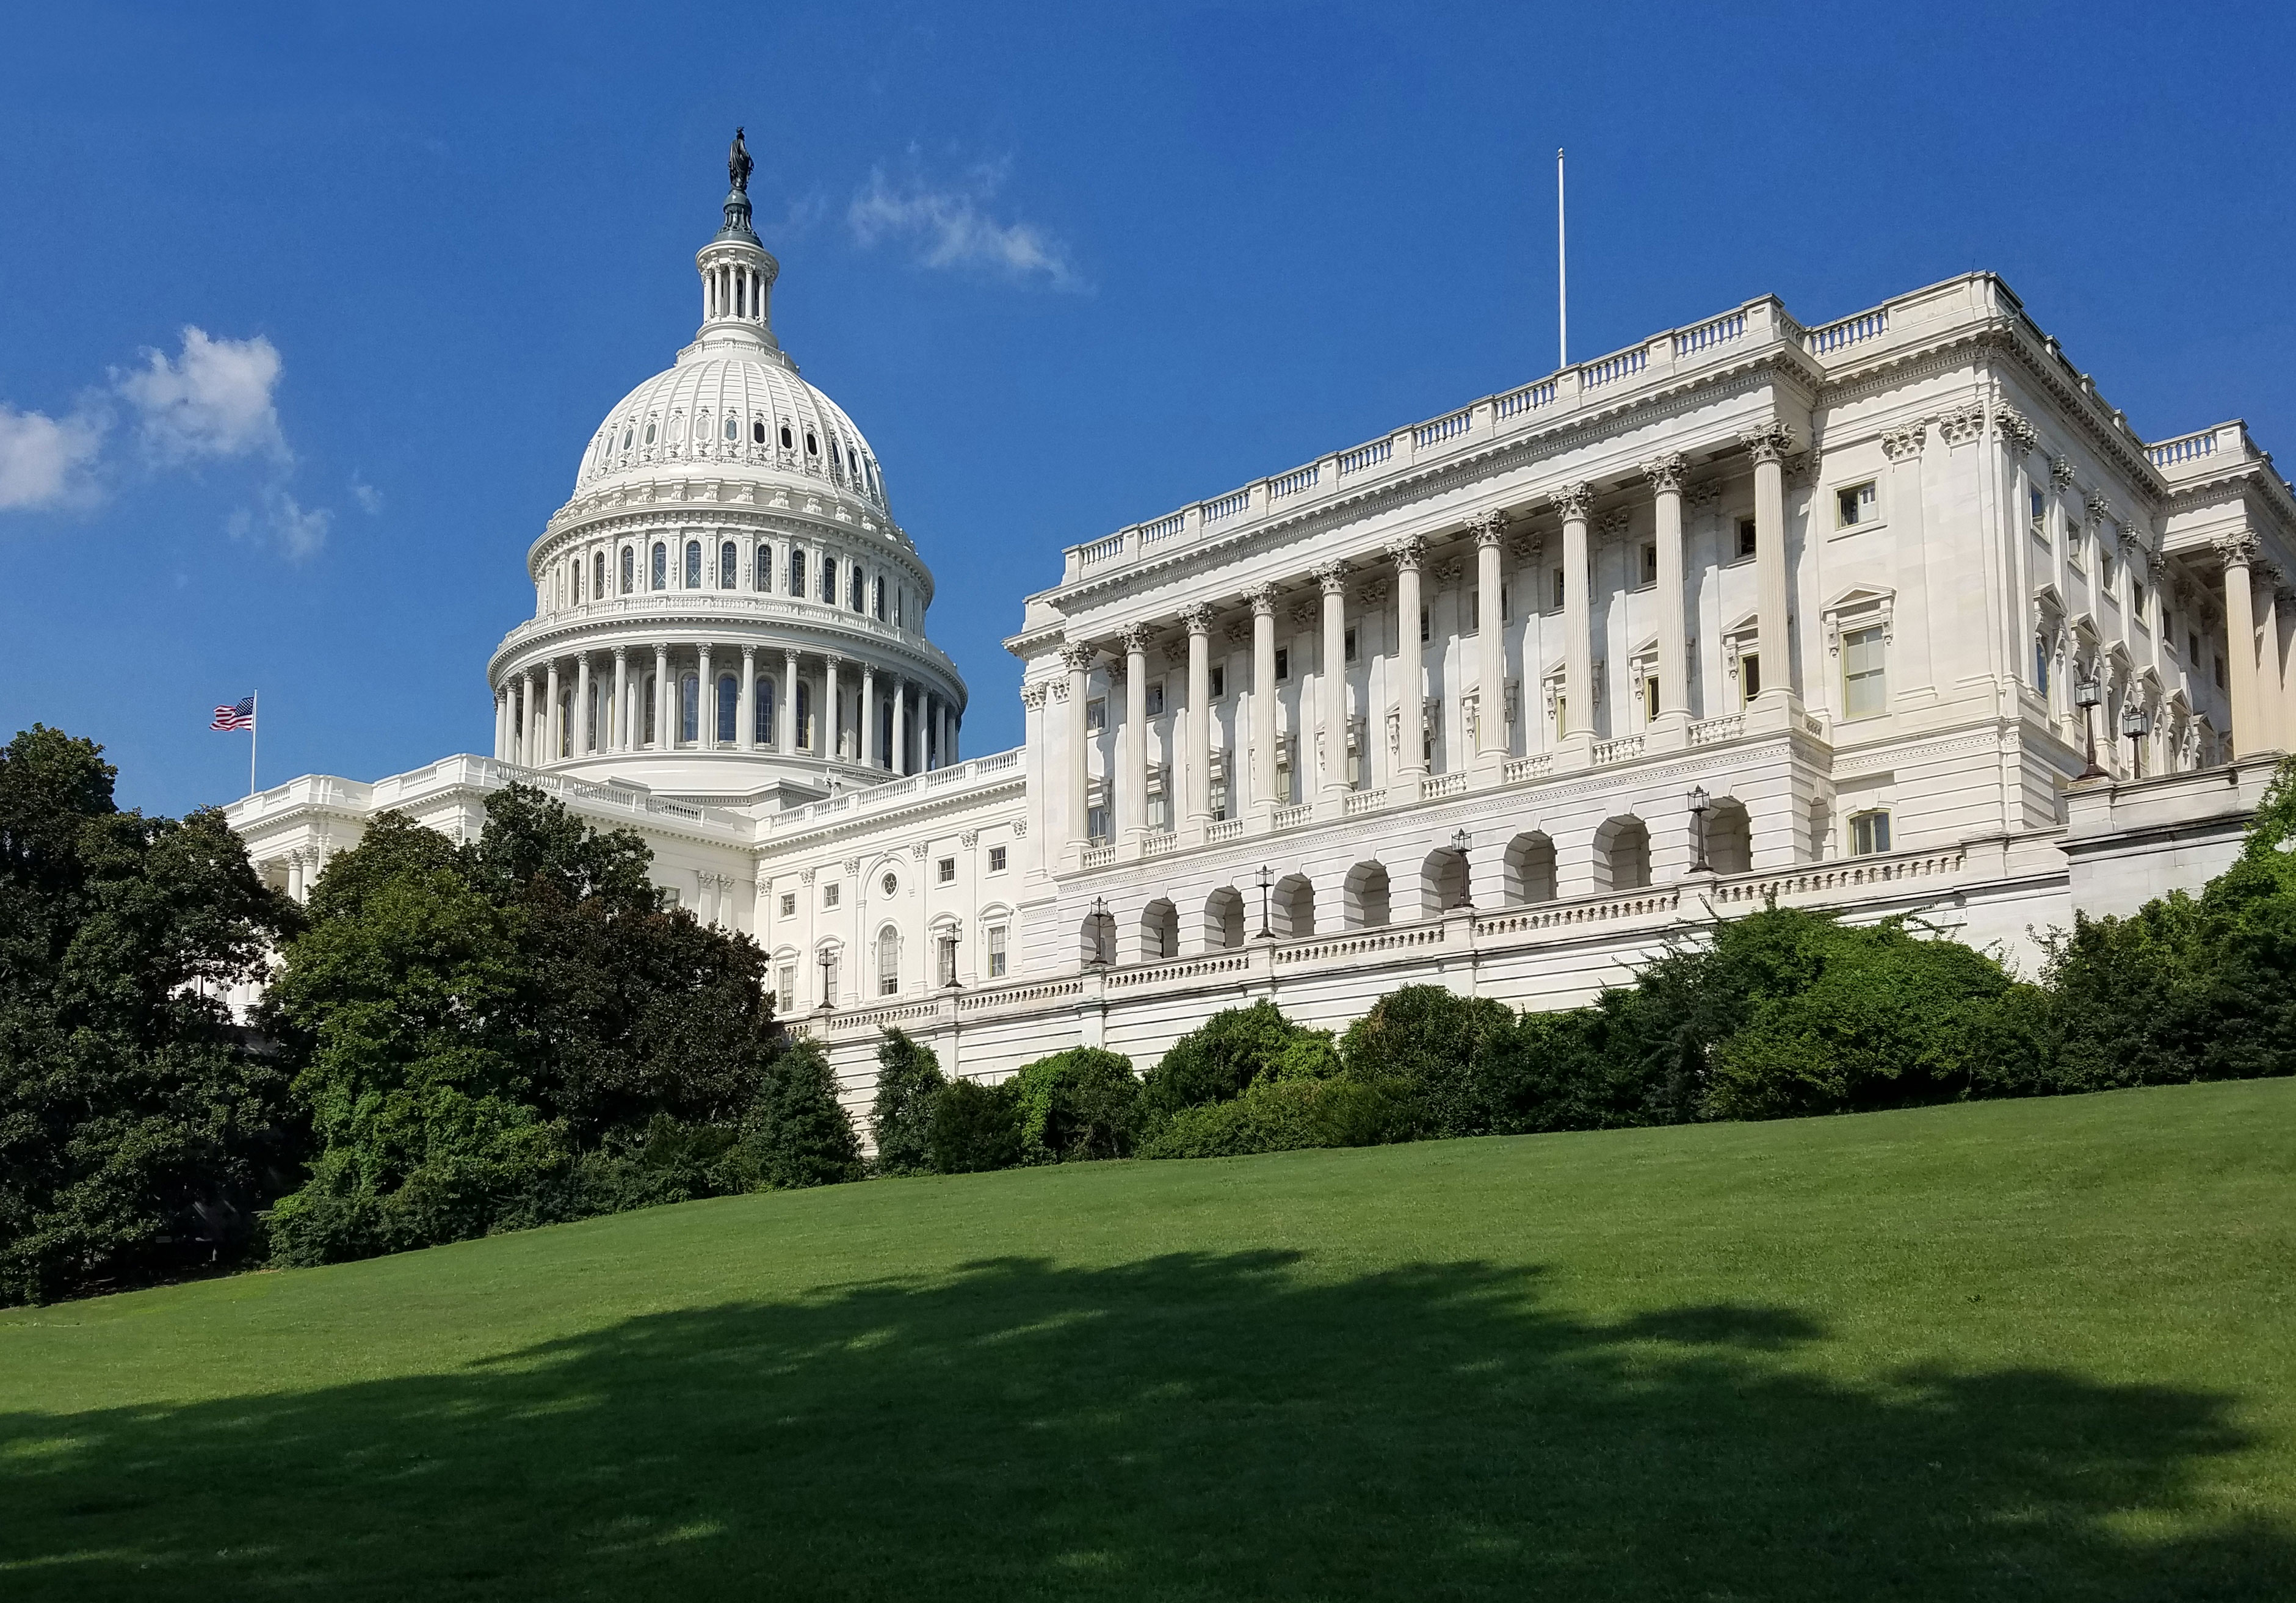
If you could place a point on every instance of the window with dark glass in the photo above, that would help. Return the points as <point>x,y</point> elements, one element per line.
<point>689,708</point>
<point>729,565</point>
<point>729,707</point>
<point>765,570</point>
<point>828,580</point>
<point>661,566</point>
<point>797,573</point>
<point>694,564</point>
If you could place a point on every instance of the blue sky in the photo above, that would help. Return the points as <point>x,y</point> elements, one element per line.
<point>1068,266</point>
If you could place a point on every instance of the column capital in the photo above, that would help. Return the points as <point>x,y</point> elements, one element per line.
<point>1487,527</point>
<point>1666,473</point>
<point>1135,638</point>
<point>1263,602</point>
<point>621,653</point>
<point>1773,442</point>
<point>1331,577</point>
<point>1033,694</point>
<point>1197,620</point>
<point>1575,500</point>
<point>2238,550</point>
<point>1078,656</point>
<point>1408,553</point>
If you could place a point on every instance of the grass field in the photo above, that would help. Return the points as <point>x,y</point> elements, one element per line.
<point>2015,1350</point>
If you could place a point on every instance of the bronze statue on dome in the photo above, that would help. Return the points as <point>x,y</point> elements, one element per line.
<point>738,165</point>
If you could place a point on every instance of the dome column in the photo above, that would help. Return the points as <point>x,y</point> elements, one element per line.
<point>526,736</point>
<point>554,721</point>
<point>582,704</point>
<point>663,739</point>
<point>788,731</point>
<point>900,724</point>
<point>869,744</point>
<point>745,705</point>
<point>618,735</point>
<point>832,709</point>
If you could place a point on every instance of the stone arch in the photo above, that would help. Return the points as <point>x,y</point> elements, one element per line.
<point>1293,908</point>
<point>1224,919</point>
<point>1442,882</point>
<point>1729,836</point>
<point>1622,856</point>
<point>1159,930</point>
<point>1530,868</point>
<point>1364,897</point>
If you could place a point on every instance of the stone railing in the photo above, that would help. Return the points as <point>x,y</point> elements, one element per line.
<point>1360,944</point>
<point>1437,786</point>
<point>1210,966</point>
<point>1362,801</point>
<point>1099,856</point>
<point>1714,731</point>
<point>1222,830</point>
<point>1517,770</point>
<point>981,770</point>
<point>1625,748</point>
<point>1443,429</point>
<point>1848,331</point>
<point>1155,843</point>
<point>1292,817</point>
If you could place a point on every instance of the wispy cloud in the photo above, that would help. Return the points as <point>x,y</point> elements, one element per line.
<point>949,225</point>
<point>295,530</point>
<point>44,461</point>
<point>369,498</point>
<point>213,399</point>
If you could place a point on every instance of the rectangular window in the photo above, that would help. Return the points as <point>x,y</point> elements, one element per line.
<point>1423,635</point>
<point>1749,676</point>
<point>1746,538</point>
<point>1351,652</point>
<point>1218,788</point>
<point>996,951</point>
<point>1474,610</point>
<point>1095,824</point>
<point>1555,591</point>
<point>1863,690</point>
<point>946,870</point>
<point>880,593</point>
<point>1095,715</point>
<point>1156,698</point>
<point>694,564</point>
<point>829,896</point>
<point>1282,664</point>
<point>2193,655</point>
<point>1650,699</point>
<point>2221,673</point>
<point>1285,793</point>
<point>1869,833</point>
<point>729,564</point>
<point>1159,805</point>
<point>2136,605</point>
<point>1650,564</point>
<point>997,860</point>
<point>1561,715</point>
<point>785,988</point>
<point>1506,600</point>
<point>1219,681</point>
<point>789,903</point>
<point>2041,667</point>
<point>764,571</point>
<point>2105,570</point>
<point>1856,506</point>
<point>2037,512</point>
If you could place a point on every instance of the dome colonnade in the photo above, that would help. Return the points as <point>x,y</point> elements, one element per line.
<point>726,603</point>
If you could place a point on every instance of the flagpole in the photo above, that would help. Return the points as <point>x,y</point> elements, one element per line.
<point>254,730</point>
<point>1561,275</point>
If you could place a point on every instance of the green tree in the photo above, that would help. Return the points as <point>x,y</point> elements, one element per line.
<point>801,1135</point>
<point>1221,1056</point>
<point>900,1122</point>
<point>1447,1048</point>
<point>1081,1103</point>
<point>140,1130</point>
<point>975,1127</point>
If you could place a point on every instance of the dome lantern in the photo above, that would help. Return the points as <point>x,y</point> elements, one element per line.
<point>737,271</point>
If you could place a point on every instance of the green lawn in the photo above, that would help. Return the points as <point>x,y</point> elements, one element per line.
<point>2017,1350</point>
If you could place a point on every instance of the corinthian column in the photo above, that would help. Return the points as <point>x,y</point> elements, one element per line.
<point>1077,799</point>
<point>787,732</point>
<point>1411,687</point>
<point>1332,683</point>
<point>2239,554</point>
<point>1195,717</point>
<point>1575,501</point>
<point>582,704</point>
<point>1666,475</point>
<point>1770,446</point>
<point>665,731</point>
<point>1132,800</point>
<point>554,720</point>
<point>705,701</point>
<point>1490,638</point>
<point>745,706</point>
<point>832,711</point>
<point>1263,699</point>
<point>868,712</point>
<point>619,736</point>
<point>528,740</point>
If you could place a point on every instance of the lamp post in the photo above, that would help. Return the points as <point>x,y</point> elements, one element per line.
<point>827,958</point>
<point>1460,842</point>
<point>2136,723</point>
<point>1101,920</point>
<point>1698,802</point>
<point>1267,883</point>
<point>2086,694</point>
<point>949,941</point>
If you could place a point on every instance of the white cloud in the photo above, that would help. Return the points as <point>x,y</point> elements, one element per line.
<point>297,531</point>
<point>43,460</point>
<point>213,400</point>
<point>369,498</point>
<point>950,228</point>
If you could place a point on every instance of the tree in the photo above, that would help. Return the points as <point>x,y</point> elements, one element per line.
<point>1221,1056</point>
<point>803,1135</point>
<point>1442,1045</point>
<point>140,1129</point>
<point>908,1079</point>
<point>975,1127</point>
<point>1081,1103</point>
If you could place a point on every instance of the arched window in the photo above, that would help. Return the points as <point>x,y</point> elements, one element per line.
<point>651,702</point>
<point>812,445</point>
<point>762,730</point>
<point>757,432</point>
<point>733,427</point>
<point>629,568</point>
<point>785,437</point>
<point>661,566</point>
<point>765,569</point>
<point>828,580</point>
<point>797,573</point>
<point>854,591</point>
<point>880,600</point>
<point>694,564</point>
<point>625,437</point>
<point>649,437</point>
<point>889,962</point>
<point>689,708</point>
<point>729,707</point>
<point>598,575</point>
<point>729,566</point>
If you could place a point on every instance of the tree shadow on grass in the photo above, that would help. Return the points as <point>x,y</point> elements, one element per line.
<point>1191,1427</point>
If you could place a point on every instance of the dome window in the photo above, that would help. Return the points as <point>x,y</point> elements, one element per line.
<point>629,565</point>
<point>785,437</point>
<point>626,437</point>
<point>765,569</point>
<point>661,566</point>
<point>812,445</point>
<point>757,432</point>
<point>729,563</point>
<point>649,438</point>
<point>828,580</point>
<point>694,564</point>
<point>598,576</point>
<point>733,428</point>
<point>797,573</point>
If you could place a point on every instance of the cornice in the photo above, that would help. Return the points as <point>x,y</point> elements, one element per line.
<point>818,637</point>
<point>926,803</point>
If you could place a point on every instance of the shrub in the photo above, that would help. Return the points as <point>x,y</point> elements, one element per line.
<point>1077,1104</point>
<point>1213,1062</point>
<point>799,1132</point>
<point>1443,1045</point>
<point>975,1127</point>
<point>908,1079</point>
<point>1280,1116</point>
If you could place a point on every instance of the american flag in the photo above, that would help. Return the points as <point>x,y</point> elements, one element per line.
<point>241,715</point>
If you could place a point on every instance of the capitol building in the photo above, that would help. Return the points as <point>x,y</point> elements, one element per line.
<point>1893,614</point>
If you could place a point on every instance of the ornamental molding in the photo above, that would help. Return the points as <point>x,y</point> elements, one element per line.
<point>1448,572</point>
<point>1705,493</point>
<point>1574,500</point>
<point>1487,527</point>
<point>1613,525</point>
<point>1773,442</point>
<point>1527,548</point>
<point>1197,620</point>
<point>2061,472</point>
<point>1907,444</point>
<point>1331,577</point>
<point>1859,607</point>
<point>1305,613</point>
<point>1238,632</point>
<point>1135,638</point>
<point>1373,592</point>
<point>1961,425</point>
<point>2017,430</point>
<point>968,839</point>
<point>1033,695</point>
<point>1078,658</point>
<point>1263,602</point>
<point>1408,553</point>
<point>2238,548</point>
<point>1667,473</point>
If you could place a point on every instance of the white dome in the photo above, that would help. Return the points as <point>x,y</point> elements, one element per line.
<point>682,416</point>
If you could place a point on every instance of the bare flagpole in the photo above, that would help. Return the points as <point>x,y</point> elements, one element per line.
<point>1561,275</point>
